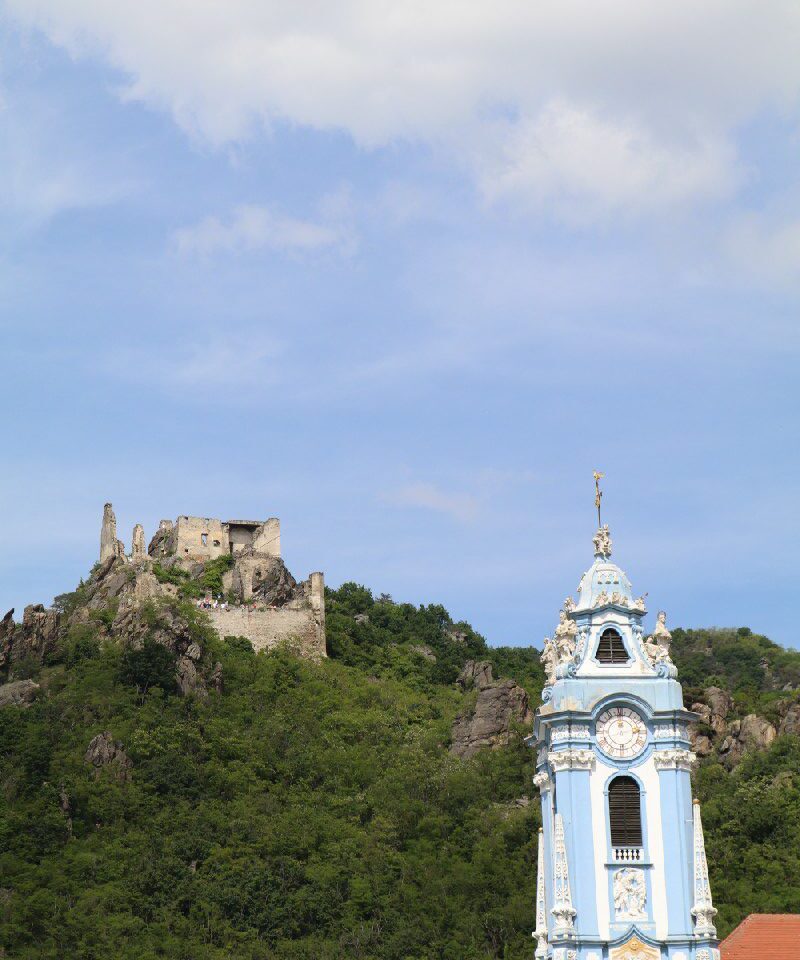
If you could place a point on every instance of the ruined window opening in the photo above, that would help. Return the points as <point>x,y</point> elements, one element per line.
<point>625,812</point>
<point>185,549</point>
<point>204,539</point>
<point>216,543</point>
<point>611,649</point>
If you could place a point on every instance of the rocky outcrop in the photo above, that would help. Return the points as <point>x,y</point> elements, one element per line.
<point>424,651</point>
<point>499,705</point>
<point>18,693</point>
<point>750,733</point>
<point>167,626</point>
<point>32,640</point>
<point>790,722</point>
<point>110,547</point>
<point>138,552</point>
<point>104,751</point>
<point>713,723</point>
<point>115,581</point>
<point>475,673</point>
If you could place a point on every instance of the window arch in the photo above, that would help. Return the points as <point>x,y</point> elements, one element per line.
<point>625,812</point>
<point>611,648</point>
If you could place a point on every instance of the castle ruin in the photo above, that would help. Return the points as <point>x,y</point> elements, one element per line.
<point>261,600</point>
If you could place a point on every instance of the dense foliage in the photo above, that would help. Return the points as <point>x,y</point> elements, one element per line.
<point>756,671</point>
<point>312,811</point>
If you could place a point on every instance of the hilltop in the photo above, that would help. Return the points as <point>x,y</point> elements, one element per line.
<point>374,804</point>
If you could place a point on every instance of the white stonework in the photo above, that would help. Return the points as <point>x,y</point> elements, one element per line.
<point>678,732</point>
<point>542,781</point>
<point>574,732</point>
<point>703,910</point>
<point>571,760</point>
<point>674,759</point>
<point>563,911</point>
<point>541,904</point>
<point>630,894</point>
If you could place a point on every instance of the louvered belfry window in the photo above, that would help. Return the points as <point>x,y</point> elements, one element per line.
<point>625,813</point>
<point>611,649</point>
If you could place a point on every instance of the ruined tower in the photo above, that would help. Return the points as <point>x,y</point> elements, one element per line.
<point>109,545</point>
<point>138,550</point>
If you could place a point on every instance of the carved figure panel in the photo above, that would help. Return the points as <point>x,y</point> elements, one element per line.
<point>630,894</point>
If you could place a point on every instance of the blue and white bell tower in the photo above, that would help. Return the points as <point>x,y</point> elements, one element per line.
<point>622,871</point>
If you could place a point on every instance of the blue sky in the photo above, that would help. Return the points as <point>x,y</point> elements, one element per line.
<point>404,275</point>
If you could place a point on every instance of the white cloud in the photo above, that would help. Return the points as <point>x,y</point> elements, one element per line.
<point>611,105</point>
<point>586,167</point>
<point>253,227</point>
<point>460,506</point>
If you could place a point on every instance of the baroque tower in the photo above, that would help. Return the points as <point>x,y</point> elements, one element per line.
<point>622,871</point>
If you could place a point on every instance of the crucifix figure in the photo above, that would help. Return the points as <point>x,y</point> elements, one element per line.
<point>598,494</point>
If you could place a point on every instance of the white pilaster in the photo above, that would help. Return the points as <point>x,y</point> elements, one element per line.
<point>703,910</point>
<point>541,904</point>
<point>563,911</point>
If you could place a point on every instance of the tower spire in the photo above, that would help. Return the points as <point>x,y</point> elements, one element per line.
<point>703,910</point>
<point>562,910</point>
<point>541,906</point>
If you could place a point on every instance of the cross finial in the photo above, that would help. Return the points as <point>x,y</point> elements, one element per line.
<point>598,494</point>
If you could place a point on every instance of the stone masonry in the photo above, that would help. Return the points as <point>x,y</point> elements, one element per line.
<point>262,603</point>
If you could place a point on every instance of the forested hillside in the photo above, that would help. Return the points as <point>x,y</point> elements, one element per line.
<point>301,810</point>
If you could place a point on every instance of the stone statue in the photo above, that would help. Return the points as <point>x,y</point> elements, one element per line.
<point>639,603</point>
<point>564,637</point>
<point>602,599</point>
<point>569,605</point>
<point>657,645</point>
<point>549,658</point>
<point>630,894</point>
<point>602,542</point>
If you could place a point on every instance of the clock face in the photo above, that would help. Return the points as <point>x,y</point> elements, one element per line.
<point>621,733</point>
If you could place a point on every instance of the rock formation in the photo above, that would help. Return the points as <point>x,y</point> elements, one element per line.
<point>499,704</point>
<point>750,733</point>
<point>109,545</point>
<point>105,751</point>
<point>138,551</point>
<point>18,693</point>
<point>33,639</point>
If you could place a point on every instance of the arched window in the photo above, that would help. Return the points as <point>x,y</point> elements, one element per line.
<point>625,812</point>
<point>611,649</point>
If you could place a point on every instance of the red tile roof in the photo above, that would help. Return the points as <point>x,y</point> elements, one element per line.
<point>762,935</point>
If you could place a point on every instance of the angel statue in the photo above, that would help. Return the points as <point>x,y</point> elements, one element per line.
<point>602,541</point>
<point>564,637</point>
<point>549,659</point>
<point>657,645</point>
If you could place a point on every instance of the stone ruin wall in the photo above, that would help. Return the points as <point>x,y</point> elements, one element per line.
<point>299,623</point>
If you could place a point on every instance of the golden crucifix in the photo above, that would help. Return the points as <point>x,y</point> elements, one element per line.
<point>598,495</point>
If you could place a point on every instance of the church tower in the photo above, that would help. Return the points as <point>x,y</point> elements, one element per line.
<point>622,871</point>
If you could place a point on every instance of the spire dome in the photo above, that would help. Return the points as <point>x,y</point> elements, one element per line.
<point>604,583</point>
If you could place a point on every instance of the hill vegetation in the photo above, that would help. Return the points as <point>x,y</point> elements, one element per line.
<point>313,811</point>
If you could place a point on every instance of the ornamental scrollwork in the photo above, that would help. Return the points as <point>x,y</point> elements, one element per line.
<point>542,781</point>
<point>674,759</point>
<point>571,760</point>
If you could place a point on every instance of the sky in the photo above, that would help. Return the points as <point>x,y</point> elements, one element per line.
<point>404,274</point>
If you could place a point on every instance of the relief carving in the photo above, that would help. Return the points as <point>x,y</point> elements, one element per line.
<point>630,894</point>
